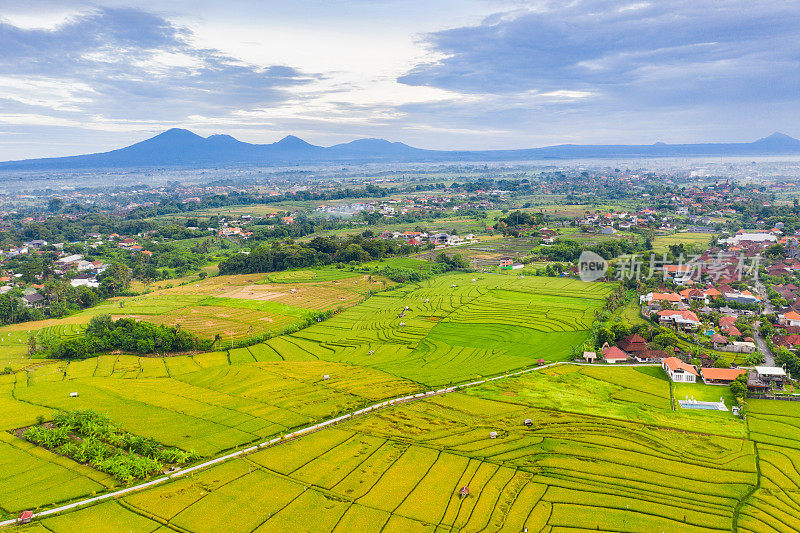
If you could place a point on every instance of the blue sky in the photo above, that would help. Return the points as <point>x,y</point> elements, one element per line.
<point>79,77</point>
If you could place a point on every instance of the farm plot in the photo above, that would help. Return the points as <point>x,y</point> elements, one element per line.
<point>236,307</point>
<point>31,476</point>
<point>178,402</point>
<point>452,328</point>
<point>214,409</point>
<point>310,276</point>
<point>230,322</point>
<point>775,506</point>
<point>316,296</point>
<point>403,467</point>
<point>661,243</point>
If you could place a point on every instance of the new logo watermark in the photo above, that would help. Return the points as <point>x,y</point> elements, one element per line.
<point>591,266</point>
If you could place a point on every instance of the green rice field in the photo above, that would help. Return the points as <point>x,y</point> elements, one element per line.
<point>604,450</point>
<point>573,469</point>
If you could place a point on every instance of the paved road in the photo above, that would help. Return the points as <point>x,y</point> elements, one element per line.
<point>769,358</point>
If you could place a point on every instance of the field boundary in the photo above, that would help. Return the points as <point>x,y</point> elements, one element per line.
<point>296,434</point>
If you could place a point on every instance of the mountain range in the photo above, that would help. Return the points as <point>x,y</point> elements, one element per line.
<point>180,147</point>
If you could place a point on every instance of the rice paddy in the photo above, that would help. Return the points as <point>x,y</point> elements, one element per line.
<point>603,451</point>
<point>401,468</point>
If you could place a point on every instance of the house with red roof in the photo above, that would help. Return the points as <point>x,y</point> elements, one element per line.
<point>678,371</point>
<point>650,356</point>
<point>693,294</point>
<point>671,297</point>
<point>790,318</point>
<point>684,319</point>
<point>632,344</point>
<point>718,340</point>
<point>721,376</point>
<point>787,341</point>
<point>731,331</point>
<point>613,355</point>
<point>711,292</point>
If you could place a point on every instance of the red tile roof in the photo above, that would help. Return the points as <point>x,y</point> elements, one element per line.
<point>674,363</point>
<point>722,373</point>
<point>614,354</point>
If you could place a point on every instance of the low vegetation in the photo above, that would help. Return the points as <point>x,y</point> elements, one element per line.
<point>92,438</point>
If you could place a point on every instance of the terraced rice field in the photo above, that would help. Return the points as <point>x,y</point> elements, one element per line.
<point>400,469</point>
<point>604,450</point>
<point>217,401</point>
<point>309,276</point>
<point>208,403</point>
<point>775,504</point>
<point>456,328</point>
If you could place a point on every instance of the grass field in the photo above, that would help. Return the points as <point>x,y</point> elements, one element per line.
<point>661,243</point>
<point>236,307</point>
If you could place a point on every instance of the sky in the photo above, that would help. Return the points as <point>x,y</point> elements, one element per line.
<point>79,77</point>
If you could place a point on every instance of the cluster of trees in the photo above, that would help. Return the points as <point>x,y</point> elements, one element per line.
<point>317,252</point>
<point>104,334</point>
<point>105,446</point>
<point>520,218</point>
<point>569,251</point>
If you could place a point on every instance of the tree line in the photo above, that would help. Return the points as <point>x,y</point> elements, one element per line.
<point>319,251</point>
<point>104,334</point>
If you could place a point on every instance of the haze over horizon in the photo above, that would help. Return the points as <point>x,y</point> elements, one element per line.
<point>80,77</point>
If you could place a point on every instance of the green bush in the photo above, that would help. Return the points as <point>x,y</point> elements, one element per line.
<point>93,438</point>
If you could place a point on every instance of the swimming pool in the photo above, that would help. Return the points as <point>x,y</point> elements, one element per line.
<point>693,404</point>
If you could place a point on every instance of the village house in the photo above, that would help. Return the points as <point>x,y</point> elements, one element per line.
<point>721,376</point>
<point>632,344</point>
<point>445,239</point>
<point>791,341</point>
<point>69,261</point>
<point>790,318</point>
<point>668,297</point>
<point>507,263</point>
<point>612,354</point>
<point>678,371</point>
<point>763,378</point>
<point>684,319</point>
<point>34,300</point>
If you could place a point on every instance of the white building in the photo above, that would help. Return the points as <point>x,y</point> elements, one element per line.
<point>678,371</point>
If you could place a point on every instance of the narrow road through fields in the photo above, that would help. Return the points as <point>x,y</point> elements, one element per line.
<point>769,358</point>
<point>297,433</point>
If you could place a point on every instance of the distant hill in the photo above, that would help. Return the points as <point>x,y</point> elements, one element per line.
<point>179,147</point>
